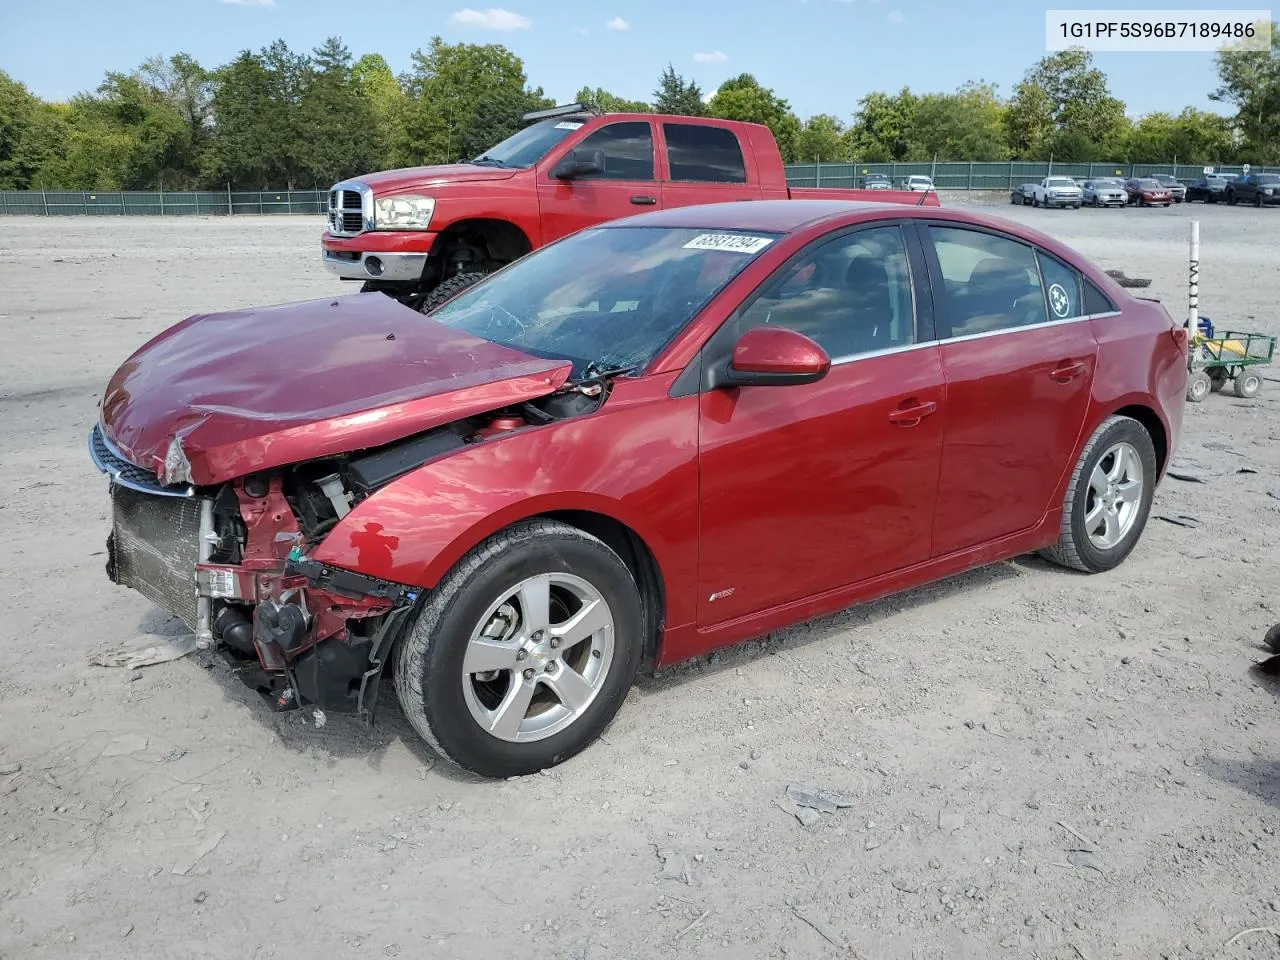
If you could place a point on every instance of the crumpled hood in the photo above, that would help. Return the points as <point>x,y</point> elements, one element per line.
<point>252,389</point>
<point>409,177</point>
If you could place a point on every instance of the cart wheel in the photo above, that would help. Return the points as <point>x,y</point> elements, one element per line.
<point>1198,386</point>
<point>1272,639</point>
<point>1247,385</point>
<point>1219,379</point>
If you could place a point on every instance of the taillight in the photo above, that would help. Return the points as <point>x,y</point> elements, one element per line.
<point>1179,335</point>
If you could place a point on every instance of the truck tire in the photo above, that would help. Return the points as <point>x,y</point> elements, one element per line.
<point>449,289</point>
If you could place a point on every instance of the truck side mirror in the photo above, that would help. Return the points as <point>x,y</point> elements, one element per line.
<point>579,163</point>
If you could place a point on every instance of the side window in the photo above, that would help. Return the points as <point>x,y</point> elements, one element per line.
<point>703,154</point>
<point>1095,301</point>
<point>1061,288</point>
<point>852,295</point>
<point>628,150</point>
<point>989,282</point>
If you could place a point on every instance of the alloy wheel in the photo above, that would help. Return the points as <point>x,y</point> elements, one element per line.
<point>1115,496</point>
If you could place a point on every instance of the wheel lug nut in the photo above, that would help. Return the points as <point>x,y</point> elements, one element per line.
<point>528,674</point>
<point>555,642</point>
<point>522,654</point>
<point>537,634</point>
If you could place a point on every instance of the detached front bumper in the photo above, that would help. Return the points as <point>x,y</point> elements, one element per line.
<point>378,255</point>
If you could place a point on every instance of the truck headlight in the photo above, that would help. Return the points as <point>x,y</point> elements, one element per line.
<point>406,212</point>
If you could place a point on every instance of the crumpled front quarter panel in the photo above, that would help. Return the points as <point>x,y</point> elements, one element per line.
<point>635,461</point>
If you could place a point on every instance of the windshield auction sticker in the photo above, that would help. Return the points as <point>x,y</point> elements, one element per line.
<point>733,242</point>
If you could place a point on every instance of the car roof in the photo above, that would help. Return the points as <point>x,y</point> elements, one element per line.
<point>769,216</point>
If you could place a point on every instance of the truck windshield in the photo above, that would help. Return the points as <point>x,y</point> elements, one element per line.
<point>1061,182</point>
<point>608,298</point>
<point>528,146</point>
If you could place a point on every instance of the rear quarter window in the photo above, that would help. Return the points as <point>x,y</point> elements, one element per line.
<point>703,154</point>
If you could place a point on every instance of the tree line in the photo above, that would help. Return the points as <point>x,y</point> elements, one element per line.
<point>278,118</point>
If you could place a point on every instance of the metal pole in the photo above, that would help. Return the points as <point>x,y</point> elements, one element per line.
<point>231,207</point>
<point>817,171</point>
<point>45,197</point>
<point>162,200</point>
<point>1193,281</point>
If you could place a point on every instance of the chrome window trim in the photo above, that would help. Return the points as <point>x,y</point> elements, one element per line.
<point>905,348</point>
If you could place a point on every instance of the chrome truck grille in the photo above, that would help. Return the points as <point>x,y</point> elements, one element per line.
<point>154,547</point>
<point>350,209</point>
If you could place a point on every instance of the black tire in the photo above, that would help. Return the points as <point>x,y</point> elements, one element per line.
<point>1218,379</point>
<point>1231,199</point>
<point>1257,200</point>
<point>448,289</point>
<point>1035,201</point>
<point>1199,386</point>
<point>1074,549</point>
<point>1247,385</point>
<point>429,660</point>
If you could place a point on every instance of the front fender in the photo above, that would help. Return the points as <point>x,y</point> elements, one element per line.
<point>634,461</point>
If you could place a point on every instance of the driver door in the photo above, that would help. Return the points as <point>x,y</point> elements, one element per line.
<point>809,488</point>
<point>624,187</point>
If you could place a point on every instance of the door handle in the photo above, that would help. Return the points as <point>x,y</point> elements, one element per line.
<point>1067,372</point>
<point>644,201</point>
<point>909,416</point>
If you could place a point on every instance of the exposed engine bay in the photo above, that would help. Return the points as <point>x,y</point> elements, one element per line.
<point>298,631</point>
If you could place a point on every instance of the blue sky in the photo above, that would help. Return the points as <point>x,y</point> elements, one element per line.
<point>821,55</point>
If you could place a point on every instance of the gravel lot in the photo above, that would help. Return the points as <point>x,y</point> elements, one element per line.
<point>992,727</point>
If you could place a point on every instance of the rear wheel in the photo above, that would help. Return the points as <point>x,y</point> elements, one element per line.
<point>1231,199</point>
<point>1198,386</point>
<point>1247,385</point>
<point>1108,499</point>
<point>524,652</point>
<point>1218,379</point>
<point>1257,200</point>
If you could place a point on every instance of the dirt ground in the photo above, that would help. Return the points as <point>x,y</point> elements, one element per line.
<point>1044,765</point>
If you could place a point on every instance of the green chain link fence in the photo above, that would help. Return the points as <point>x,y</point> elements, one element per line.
<point>946,176</point>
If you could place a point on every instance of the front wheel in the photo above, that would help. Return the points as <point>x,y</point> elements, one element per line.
<point>1199,386</point>
<point>448,289</point>
<point>1108,499</point>
<point>524,652</point>
<point>1218,379</point>
<point>1231,199</point>
<point>1248,385</point>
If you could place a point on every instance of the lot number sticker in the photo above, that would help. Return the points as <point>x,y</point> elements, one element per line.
<point>567,125</point>
<point>733,242</point>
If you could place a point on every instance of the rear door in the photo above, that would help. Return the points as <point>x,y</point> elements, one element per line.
<point>626,186</point>
<point>705,164</point>
<point>1019,357</point>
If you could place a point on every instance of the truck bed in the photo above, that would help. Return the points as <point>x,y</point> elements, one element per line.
<point>930,199</point>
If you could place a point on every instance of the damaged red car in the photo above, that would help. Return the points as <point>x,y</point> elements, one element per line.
<point>644,441</point>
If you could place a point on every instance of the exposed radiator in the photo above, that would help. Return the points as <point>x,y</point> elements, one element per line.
<point>154,548</point>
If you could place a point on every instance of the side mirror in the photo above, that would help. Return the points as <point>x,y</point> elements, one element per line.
<point>579,163</point>
<point>775,356</point>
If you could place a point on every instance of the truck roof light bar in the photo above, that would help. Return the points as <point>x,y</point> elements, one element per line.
<point>564,111</point>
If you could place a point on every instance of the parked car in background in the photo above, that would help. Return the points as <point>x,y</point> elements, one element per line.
<point>1105,192</point>
<point>1023,194</point>
<point>423,234</point>
<point>1057,192</point>
<point>1176,187</point>
<point>1207,190</point>
<point>1255,188</point>
<point>497,496</point>
<point>1146,192</point>
<point>876,181</point>
<point>918,183</point>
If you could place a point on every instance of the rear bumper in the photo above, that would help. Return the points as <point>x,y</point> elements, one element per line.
<point>378,255</point>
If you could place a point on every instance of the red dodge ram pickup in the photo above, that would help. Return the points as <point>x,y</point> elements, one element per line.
<point>422,234</point>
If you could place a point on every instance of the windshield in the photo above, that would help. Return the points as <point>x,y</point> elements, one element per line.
<point>530,145</point>
<point>1164,178</point>
<point>1109,182</point>
<point>609,298</point>
<point>1151,184</point>
<point>1061,182</point>
<point>1268,178</point>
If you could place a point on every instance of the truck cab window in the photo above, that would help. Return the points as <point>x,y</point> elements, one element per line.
<point>703,154</point>
<point>628,150</point>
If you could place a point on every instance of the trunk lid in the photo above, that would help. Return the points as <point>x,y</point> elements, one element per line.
<point>248,390</point>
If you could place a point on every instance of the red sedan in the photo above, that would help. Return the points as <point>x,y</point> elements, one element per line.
<point>642,442</point>
<point>1146,192</point>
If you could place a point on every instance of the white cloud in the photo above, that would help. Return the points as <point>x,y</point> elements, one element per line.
<point>706,97</point>
<point>617,23</point>
<point>495,18</point>
<point>896,18</point>
<point>250,3</point>
<point>715,56</point>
